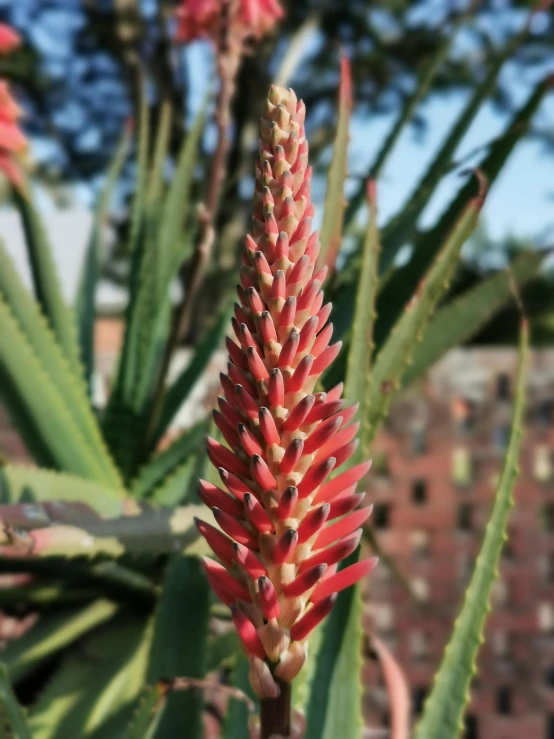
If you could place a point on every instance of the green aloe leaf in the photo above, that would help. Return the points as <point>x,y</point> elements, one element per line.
<point>179,645</point>
<point>460,319</point>
<point>95,681</point>
<point>137,214</point>
<point>152,531</point>
<point>52,632</point>
<point>402,226</point>
<point>39,410</point>
<point>13,721</point>
<point>148,714</point>
<point>398,290</point>
<point>45,279</point>
<point>156,264</point>
<point>181,388</point>
<point>180,486</point>
<point>222,649</point>
<point>331,691</point>
<point>426,76</point>
<point>450,693</point>
<point>21,484</point>
<point>154,195</point>
<point>54,363</point>
<point>394,356</point>
<point>85,308</point>
<point>164,464</point>
<point>237,716</point>
<point>358,374</point>
<point>331,229</point>
<point>335,690</point>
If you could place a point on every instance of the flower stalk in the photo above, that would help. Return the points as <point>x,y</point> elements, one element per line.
<point>283,523</point>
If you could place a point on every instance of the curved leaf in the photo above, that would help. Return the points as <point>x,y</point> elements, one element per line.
<point>52,632</point>
<point>179,645</point>
<point>20,484</point>
<point>331,229</point>
<point>463,317</point>
<point>396,352</point>
<point>181,388</point>
<point>148,714</point>
<point>156,264</point>
<point>38,409</point>
<point>398,290</point>
<point>71,389</point>
<point>45,279</point>
<point>85,308</point>
<point>450,693</point>
<point>358,374</point>
<point>95,681</point>
<point>397,689</point>
<point>426,76</point>
<point>166,463</point>
<point>13,722</point>
<point>402,226</point>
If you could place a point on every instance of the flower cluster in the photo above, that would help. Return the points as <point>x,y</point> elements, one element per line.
<point>283,523</point>
<point>244,18</point>
<point>12,140</point>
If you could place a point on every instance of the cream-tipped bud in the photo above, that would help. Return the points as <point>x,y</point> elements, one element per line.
<point>261,679</point>
<point>291,662</point>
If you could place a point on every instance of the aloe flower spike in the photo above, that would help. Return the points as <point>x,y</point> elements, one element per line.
<point>286,523</point>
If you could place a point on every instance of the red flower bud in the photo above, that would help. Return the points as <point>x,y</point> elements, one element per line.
<point>284,439</point>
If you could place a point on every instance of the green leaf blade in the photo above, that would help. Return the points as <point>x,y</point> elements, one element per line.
<point>397,350</point>
<point>179,645</point>
<point>85,308</point>
<point>331,229</point>
<point>450,693</point>
<point>45,279</point>
<point>463,317</point>
<point>54,363</point>
<point>358,374</point>
<point>12,717</point>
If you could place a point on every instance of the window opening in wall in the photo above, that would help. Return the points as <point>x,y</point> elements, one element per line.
<point>465,517</point>
<point>419,491</point>
<point>547,516</point>
<point>381,515</point>
<point>419,695</point>
<point>471,727</point>
<point>504,700</point>
<point>549,677</point>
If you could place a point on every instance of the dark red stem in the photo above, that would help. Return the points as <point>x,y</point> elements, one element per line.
<point>275,713</point>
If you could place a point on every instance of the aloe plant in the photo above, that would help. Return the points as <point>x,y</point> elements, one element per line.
<point>105,523</point>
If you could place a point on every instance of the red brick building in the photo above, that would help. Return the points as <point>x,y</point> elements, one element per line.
<point>437,462</point>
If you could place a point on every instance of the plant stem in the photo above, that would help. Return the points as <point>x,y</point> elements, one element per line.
<point>227,70</point>
<point>228,61</point>
<point>275,713</point>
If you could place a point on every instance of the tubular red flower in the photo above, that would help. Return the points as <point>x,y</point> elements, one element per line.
<point>202,18</point>
<point>9,39</point>
<point>285,439</point>
<point>12,139</point>
<point>343,579</point>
